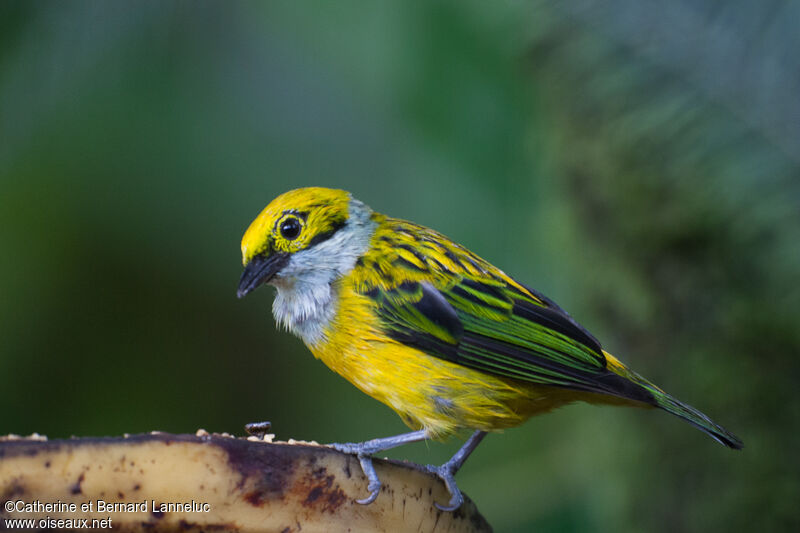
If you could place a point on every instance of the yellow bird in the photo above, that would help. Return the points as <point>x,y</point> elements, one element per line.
<point>420,323</point>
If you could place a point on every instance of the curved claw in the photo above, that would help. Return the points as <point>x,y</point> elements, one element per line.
<point>369,499</point>
<point>374,486</point>
<point>374,490</point>
<point>445,473</point>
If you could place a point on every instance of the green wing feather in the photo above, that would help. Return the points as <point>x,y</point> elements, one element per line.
<point>503,334</point>
<point>439,297</point>
<point>478,317</point>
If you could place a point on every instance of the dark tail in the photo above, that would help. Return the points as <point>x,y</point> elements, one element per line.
<point>697,419</point>
<point>648,393</point>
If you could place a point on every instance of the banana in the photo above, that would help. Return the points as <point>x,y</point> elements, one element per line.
<point>166,482</point>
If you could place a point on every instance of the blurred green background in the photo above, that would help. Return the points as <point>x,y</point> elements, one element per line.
<point>637,162</point>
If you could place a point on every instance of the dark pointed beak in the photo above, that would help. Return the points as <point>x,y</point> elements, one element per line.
<point>260,270</point>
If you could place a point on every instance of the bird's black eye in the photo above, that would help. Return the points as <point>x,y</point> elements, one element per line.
<point>290,228</point>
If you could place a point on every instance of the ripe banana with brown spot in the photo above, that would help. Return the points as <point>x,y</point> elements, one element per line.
<point>166,482</point>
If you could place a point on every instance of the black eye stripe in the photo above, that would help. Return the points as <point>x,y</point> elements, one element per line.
<point>324,236</point>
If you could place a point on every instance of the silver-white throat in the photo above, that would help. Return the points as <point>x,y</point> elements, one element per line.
<point>305,303</point>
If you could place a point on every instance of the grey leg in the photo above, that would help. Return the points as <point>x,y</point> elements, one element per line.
<point>364,451</point>
<point>447,471</point>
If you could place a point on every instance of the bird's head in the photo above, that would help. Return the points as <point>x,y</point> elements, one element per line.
<point>312,232</point>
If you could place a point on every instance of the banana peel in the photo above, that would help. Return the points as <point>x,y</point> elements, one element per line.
<point>167,482</point>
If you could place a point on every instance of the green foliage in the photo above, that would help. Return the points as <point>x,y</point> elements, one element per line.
<point>636,162</point>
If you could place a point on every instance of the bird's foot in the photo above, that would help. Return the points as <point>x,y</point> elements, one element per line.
<point>446,473</point>
<point>364,452</point>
